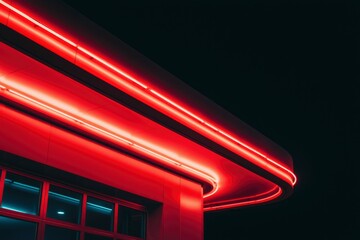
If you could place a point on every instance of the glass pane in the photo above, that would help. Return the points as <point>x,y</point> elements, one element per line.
<point>14,229</point>
<point>131,222</point>
<point>64,204</point>
<point>17,188</point>
<point>99,213</point>
<point>56,233</point>
<point>89,236</point>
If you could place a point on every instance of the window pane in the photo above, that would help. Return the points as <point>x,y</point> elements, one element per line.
<point>89,236</point>
<point>131,222</point>
<point>17,188</point>
<point>14,229</point>
<point>56,233</point>
<point>99,213</point>
<point>64,204</point>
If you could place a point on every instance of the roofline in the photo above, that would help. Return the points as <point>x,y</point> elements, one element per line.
<point>111,72</point>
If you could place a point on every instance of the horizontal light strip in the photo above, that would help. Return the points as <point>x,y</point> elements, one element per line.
<point>187,117</point>
<point>5,206</point>
<point>64,197</point>
<point>38,105</point>
<point>22,186</point>
<point>99,208</point>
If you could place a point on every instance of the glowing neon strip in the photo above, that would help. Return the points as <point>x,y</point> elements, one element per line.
<point>187,116</point>
<point>36,23</point>
<point>23,98</point>
<point>113,67</point>
<point>241,202</point>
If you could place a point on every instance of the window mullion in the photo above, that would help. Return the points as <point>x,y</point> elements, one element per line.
<point>116,212</point>
<point>2,183</point>
<point>44,200</point>
<point>83,216</point>
<point>43,208</point>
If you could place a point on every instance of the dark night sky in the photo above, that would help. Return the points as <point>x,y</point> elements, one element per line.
<point>290,69</point>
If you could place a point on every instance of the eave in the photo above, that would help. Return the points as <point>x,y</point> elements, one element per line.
<point>105,78</point>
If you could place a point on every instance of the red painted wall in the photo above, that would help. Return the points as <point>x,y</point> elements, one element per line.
<point>180,215</point>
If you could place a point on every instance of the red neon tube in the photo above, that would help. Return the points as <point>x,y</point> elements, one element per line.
<point>61,45</point>
<point>47,37</point>
<point>68,115</point>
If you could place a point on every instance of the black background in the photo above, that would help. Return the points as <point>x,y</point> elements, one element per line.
<point>290,69</point>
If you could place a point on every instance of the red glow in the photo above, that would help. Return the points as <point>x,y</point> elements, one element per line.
<point>114,75</point>
<point>122,73</point>
<point>265,197</point>
<point>42,37</point>
<point>114,136</point>
<point>36,23</point>
<point>4,15</point>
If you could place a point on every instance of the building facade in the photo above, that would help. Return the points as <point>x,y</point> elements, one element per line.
<point>98,142</point>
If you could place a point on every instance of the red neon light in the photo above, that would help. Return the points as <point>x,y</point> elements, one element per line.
<point>115,76</point>
<point>85,122</point>
<point>240,202</point>
<point>23,23</point>
<point>36,23</point>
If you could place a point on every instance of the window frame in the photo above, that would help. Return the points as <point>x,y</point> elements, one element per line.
<point>42,220</point>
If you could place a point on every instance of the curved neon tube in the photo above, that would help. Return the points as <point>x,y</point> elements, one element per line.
<point>135,88</point>
<point>120,79</point>
<point>240,202</point>
<point>30,101</point>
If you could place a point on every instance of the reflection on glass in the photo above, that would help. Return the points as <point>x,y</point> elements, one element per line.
<point>131,222</point>
<point>16,189</point>
<point>56,233</point>
<point>99,213</point>
<point>64,204</point>
<point>14,229</point>
<point>89,236</point>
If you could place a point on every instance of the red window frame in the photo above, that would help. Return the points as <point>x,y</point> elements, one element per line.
<point>42,220</point>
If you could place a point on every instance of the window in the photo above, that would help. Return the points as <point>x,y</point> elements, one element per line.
<point>64,204</point>
<point>14,229</point>
<point>16,189</point>
<point>131,222</point>
<point>57,233</point>
<point>99,213</point>
<point>34,209</point>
